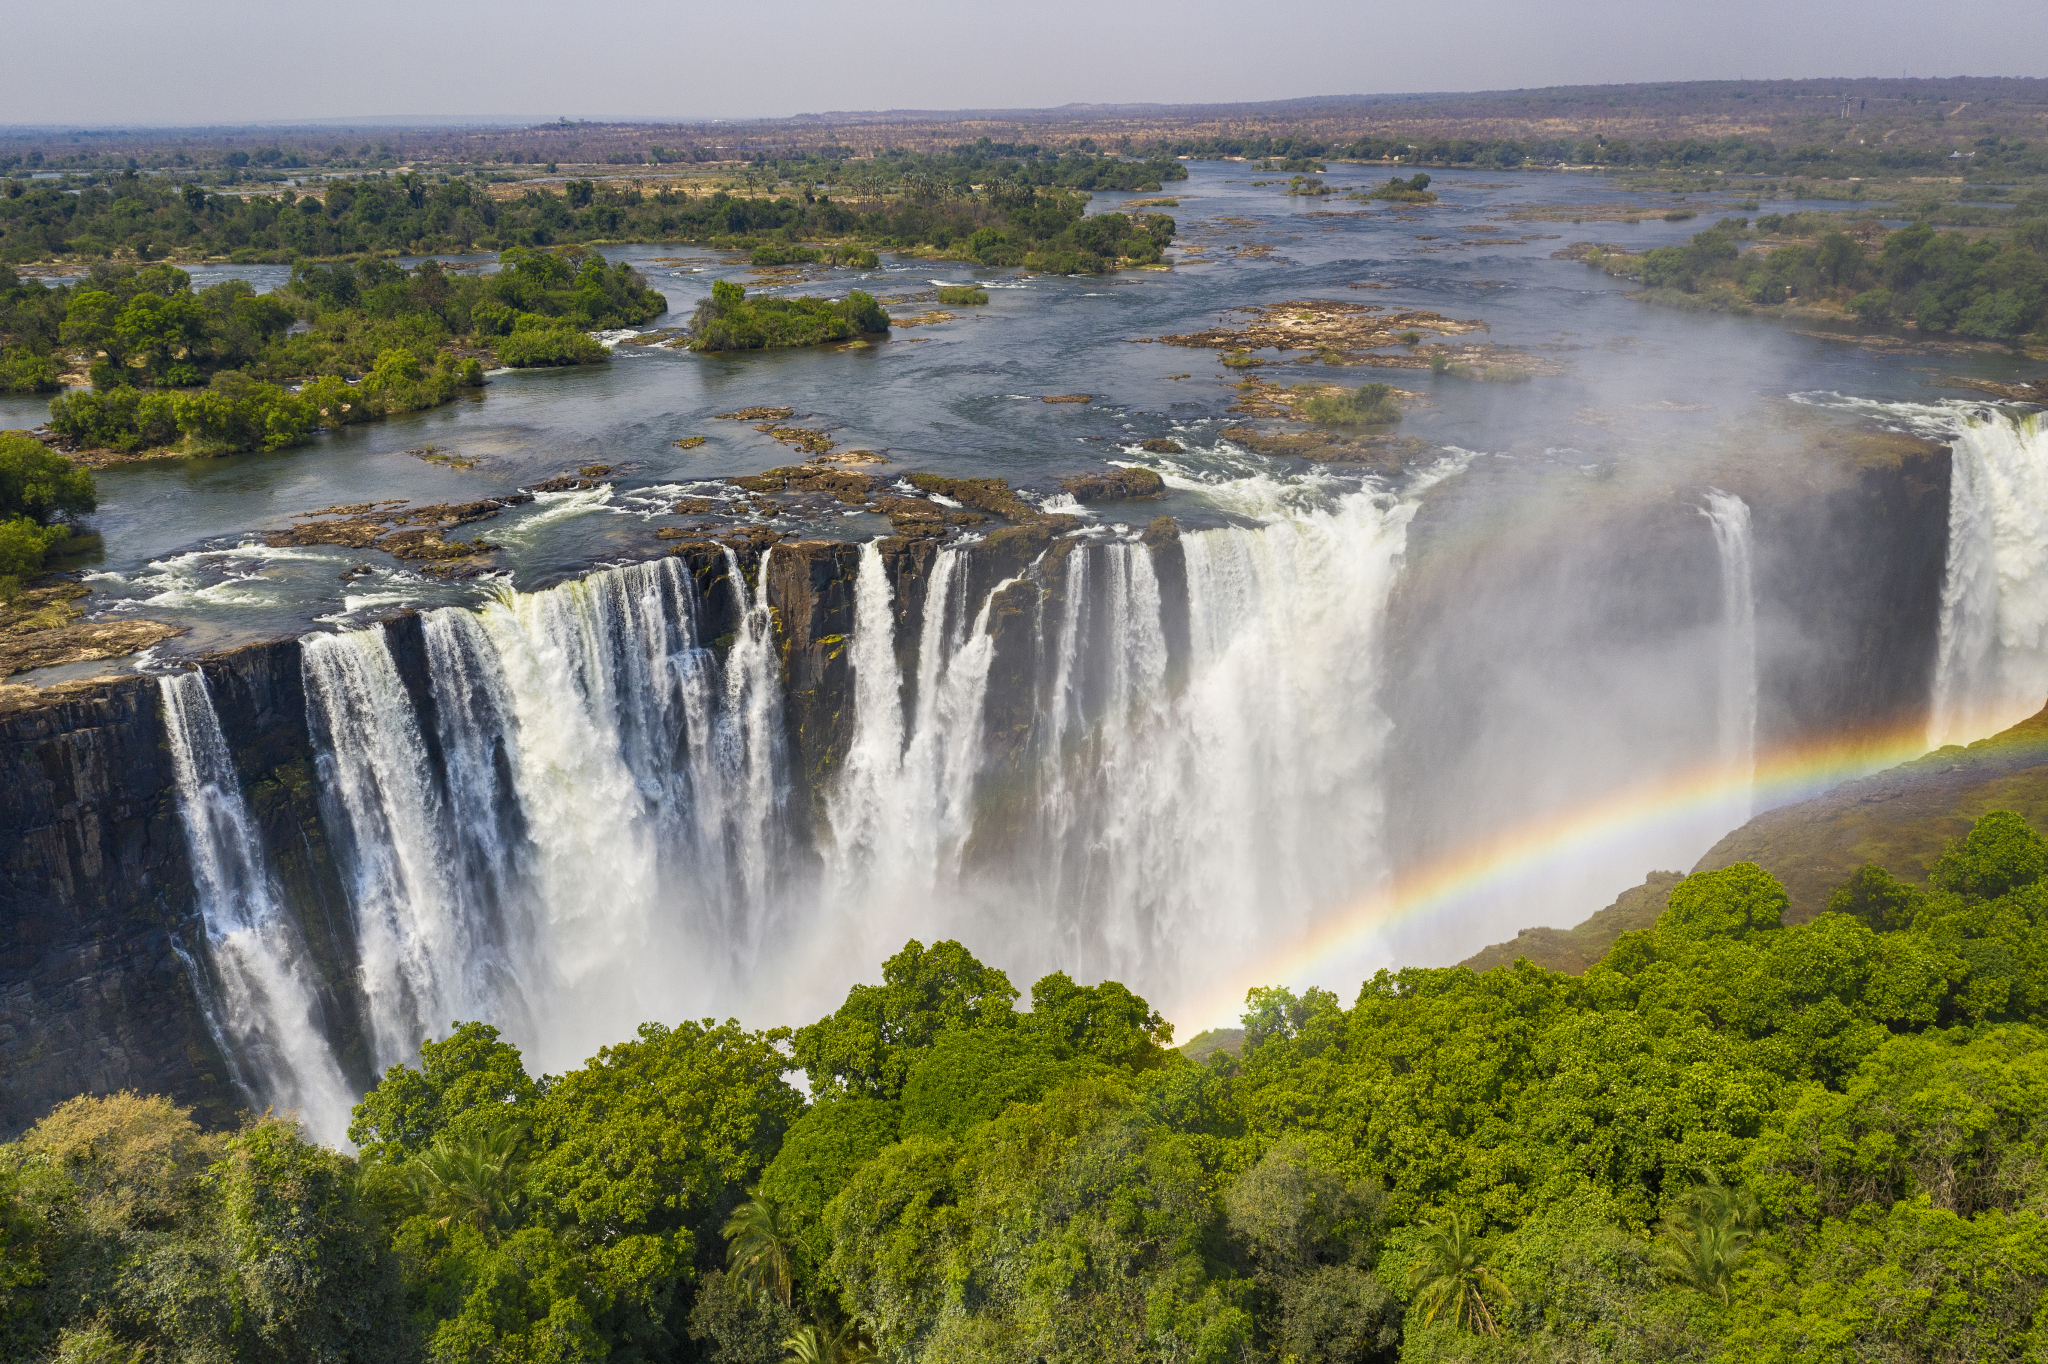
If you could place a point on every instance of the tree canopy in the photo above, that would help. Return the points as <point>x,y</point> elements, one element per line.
<point>1731,1139</point>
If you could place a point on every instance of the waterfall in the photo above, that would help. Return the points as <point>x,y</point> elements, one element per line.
<point>578,815</point>
<point>1991,670</point>
<point>262,1006</point>
<point>1729,516</point>
<point>604,838</point>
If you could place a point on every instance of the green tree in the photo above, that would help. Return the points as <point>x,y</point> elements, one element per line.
<point>758,1249</point>
<point>1733,902</point>
<point>1705,1240</point>
<point>1999,854</point>
<point>1878,898</point>
<point>474,1176</point>
<point>868,1045</point>
<point>468,1081</point>
<point>1452,1279</point>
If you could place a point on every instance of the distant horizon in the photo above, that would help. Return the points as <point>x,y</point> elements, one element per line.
<point>239,63</point>
<point>933,114</point>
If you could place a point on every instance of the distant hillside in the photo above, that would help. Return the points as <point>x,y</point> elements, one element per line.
<point>1900,819</point>
<point>1886,115</point>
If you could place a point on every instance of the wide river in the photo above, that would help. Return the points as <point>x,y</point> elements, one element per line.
<point>960,397</point>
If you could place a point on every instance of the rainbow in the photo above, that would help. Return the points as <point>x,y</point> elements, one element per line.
<point>1552,841</point>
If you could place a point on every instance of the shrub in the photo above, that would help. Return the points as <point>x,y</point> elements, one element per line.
<point>961,295</point>
<point>728,320</point>
<point>1368,405</point>
<point>23,371</point>
<point>23,544</point>
<point>537,342</point>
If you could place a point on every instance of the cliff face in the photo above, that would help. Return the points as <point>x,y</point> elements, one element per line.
<point>103,973</point>
<point>1562,651</point>
<point>95,909</point>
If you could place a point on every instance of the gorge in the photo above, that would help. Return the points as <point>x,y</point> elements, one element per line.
<point>705,781</point>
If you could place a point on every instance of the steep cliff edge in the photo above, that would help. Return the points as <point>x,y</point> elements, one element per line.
<point>95,910</point>
<point>1901,819</point>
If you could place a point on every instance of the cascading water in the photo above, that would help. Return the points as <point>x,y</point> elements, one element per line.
<point>263,1002</point>
<point>1992,667</point>
<point>586,820</point>
<point>1729,516</point>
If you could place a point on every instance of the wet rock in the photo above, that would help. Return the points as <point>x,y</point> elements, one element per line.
<point>1115,485</point>
<point>848,487</point>
<point>1162,446</point>
<point>1070,398</point>
<point>992,495</point>
<point>758,414</point>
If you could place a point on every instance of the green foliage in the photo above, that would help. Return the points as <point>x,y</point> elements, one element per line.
<point>1730,1139</point>
<point>970,1075</point>
<point>1999,854</point>
<point>1366,405</point>
<point>868,1045</point>
<point>1414,190</point>
<point>1732,902</point>
<point>23,371</point>
<point>536,342</point>
<point>39,483</point>
<point>38,487</point>
<point>1705,1240</point>
<point>962,296</point>
<point>728,321</point>
<point>1993,286</point>
<point>822,1150</point>
<point>1031,199</point>
<point>1068,1230</point>
<point>1452,1280</point>
<point>465,1084</point>
<point>759,1252</point>
<point>473,1177</point>
<point>145,1238</point>
<point>1882,901</point>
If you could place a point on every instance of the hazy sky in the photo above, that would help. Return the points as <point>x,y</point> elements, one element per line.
<point>239,61</point>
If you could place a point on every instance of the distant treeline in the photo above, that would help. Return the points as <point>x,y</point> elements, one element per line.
<point>1023,209</point>
<point>1984,157</point>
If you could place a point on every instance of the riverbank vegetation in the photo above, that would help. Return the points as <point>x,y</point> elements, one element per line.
<point>40,491</point>
<point>989,208</point>
<point>1989,286</point>
<point>1730,1139</point>
<point>206,371</point>
<point>728,320</point>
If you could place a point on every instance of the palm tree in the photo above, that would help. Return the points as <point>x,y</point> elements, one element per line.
<point>1707,1238</point>
<point>1452,1279</point>
<point>757,1248</point>
<point>846,1344</point>
<point>473,1178</point>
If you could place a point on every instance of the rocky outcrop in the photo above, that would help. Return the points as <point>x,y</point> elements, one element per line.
<point>96,912</point>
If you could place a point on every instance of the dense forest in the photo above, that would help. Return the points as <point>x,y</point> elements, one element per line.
<point>204,371</point>
<point>1731,1139</point>
<point>1989,286</point>
<point>1024,209</point>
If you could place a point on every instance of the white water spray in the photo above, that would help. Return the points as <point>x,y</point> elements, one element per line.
<point>1992,667</point>
<point>265,1014</point>
<point>1729,516</point>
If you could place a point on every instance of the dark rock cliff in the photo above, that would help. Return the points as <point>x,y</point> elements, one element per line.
<point>102,967</point>
<point>95,910</point>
